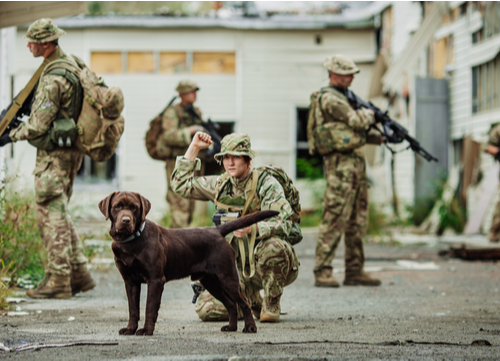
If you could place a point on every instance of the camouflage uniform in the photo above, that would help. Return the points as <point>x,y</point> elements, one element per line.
<point>176,135</point>
<point>276,264</point>
<point>494,139</point>
<point>55,172</point>
<point>345,202</point>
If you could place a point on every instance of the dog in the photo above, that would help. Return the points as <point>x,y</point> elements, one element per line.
<point>148,253</point>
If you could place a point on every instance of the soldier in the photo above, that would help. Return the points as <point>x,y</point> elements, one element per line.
<point>493,148</point>
<point>275,261</point>
<point>66,272</point>
<point>179,122</point>
<point>345,203</point>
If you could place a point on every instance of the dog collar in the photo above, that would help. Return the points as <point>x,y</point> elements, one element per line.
<point>134,235</point>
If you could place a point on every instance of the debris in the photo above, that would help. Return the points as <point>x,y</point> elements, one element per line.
<point>472,253</point>
<point>36,347</point>
<point>71,318</point>
<point>15,299</point>
<point>418,266</point>
<point>17,313</point>
<point>480,343</point>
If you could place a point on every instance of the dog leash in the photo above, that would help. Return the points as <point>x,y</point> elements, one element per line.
<point>134,235</point>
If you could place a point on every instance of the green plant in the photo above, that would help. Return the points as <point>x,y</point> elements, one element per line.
<point>309,168</point>
<point>21,244</point>
<point>451,215</point>
<point>377,220</point>
<point>5,278</point>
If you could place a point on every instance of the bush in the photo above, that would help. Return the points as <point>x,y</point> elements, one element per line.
<point>21,246</point>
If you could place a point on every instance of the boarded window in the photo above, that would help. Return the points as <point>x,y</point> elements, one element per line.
<point>171,63</point>
<point>140,62</point>
<point>213,63</point>
<point>106,62</point>
<point>486,86</point>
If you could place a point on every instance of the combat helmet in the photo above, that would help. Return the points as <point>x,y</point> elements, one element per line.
<point>186,86</point>
<point>340,64</point>
<point>43,31</point>
<point>235,144</point>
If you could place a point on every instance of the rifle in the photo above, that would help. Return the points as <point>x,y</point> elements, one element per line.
<point>25,109</point>
<point>211,129</point>
<point>392,131</point>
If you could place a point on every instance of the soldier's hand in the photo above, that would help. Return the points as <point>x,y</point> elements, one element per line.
<point>240,233</point>
<point>5,139</point>
<point>201,140</point>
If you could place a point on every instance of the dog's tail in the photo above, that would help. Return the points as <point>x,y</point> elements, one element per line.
<point>245,221</point>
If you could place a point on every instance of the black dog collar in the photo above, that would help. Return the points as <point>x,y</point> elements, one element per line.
<point>134,235</point>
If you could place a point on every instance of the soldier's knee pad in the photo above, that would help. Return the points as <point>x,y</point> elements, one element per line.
<point>209,308</point>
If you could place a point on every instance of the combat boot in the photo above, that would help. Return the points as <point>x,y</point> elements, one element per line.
<point>270,309</point>
<point>53,286</point>
<point>81,280</point>
<point>360,279</point>
<point>324,278</point>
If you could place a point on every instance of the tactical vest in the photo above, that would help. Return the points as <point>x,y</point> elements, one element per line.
<point>329,135</point>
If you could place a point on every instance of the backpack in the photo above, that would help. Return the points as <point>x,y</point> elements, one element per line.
<point>291,195</point>
<point>155,148</point>
<point>327,137</point>
<point>99,126</point>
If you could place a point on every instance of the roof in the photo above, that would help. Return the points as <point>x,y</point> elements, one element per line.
<point>358,17</point>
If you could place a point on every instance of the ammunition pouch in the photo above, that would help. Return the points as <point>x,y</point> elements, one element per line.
<point>62,134</point>
<point>220,218</point>
<point>337,137</point>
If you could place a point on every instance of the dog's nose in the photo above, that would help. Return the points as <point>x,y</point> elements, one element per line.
<point>126,219</point>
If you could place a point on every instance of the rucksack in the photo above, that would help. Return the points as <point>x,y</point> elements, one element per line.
<point>155,150</point>
<point>327,137</point>
<point>291,195</point>
<point>100,125</point>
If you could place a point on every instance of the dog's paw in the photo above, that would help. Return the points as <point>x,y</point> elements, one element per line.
<point>228,328</point>
<point>126,331</point>
<point>144,332</point>
<point>250,329</point>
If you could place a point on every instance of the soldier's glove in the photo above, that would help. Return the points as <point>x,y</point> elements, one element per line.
<point>5,139</point>
<point>497,156</point>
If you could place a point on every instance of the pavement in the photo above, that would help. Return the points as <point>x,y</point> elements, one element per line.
<point>427,308</point>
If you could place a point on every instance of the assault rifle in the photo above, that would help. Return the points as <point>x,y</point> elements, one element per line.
<point>212,129</point>
<point>25,109</point>
<point>392,131</point>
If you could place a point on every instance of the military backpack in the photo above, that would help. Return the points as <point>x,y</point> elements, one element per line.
<point>97,109</point>
<point>328,137</point>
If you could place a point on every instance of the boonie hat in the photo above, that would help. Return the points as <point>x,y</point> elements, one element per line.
<point>43,31</point>
<point>186,86</point>
<point>235,144</point>
<point>340,64</point>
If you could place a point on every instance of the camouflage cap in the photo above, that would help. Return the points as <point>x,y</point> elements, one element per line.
<point>235,144</point>
<point>43,31</point>
<point>186,86</point>
<point>340,64</point>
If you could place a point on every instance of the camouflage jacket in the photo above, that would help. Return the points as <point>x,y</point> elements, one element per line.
<point>336,108</point>
<point>494,136</point>
<point>175,126</point>
<point>269,195</point>
<point>53,93</point>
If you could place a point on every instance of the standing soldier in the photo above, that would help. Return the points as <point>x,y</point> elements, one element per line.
<point>493,148</point>
<point>179,122</point>
<point>66,272</point>
<point>346,196</point>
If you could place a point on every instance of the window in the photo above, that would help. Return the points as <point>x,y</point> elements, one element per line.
<point>131,62</point>
<point>97,172</point>
<point>490,11</point>
<point>486,86</point>
<point>308,166</point>
<point>140,63</point>
<point>106,62</point>
<point>171,63</point>
<point>213,63</point>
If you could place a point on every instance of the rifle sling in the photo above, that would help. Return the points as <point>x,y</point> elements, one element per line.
<point>21,98</point>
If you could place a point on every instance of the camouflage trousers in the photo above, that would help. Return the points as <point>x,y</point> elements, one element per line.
<point>276,266</point>
<point>181,209</point>
<point>494,233</point>
<point>345,211</point>
<point>54,176</point>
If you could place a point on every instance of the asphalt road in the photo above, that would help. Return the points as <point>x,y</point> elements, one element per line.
<point>427,308</point>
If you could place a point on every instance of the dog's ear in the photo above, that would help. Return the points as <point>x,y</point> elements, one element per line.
<point>145,207</point>
<point>104,205</point>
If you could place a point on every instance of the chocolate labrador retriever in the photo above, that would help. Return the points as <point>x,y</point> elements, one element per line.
<point>147,253</point>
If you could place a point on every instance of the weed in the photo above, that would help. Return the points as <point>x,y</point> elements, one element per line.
<point>5,279</point>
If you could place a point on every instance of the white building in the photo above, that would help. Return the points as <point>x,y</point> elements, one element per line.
<point>255,76</point>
